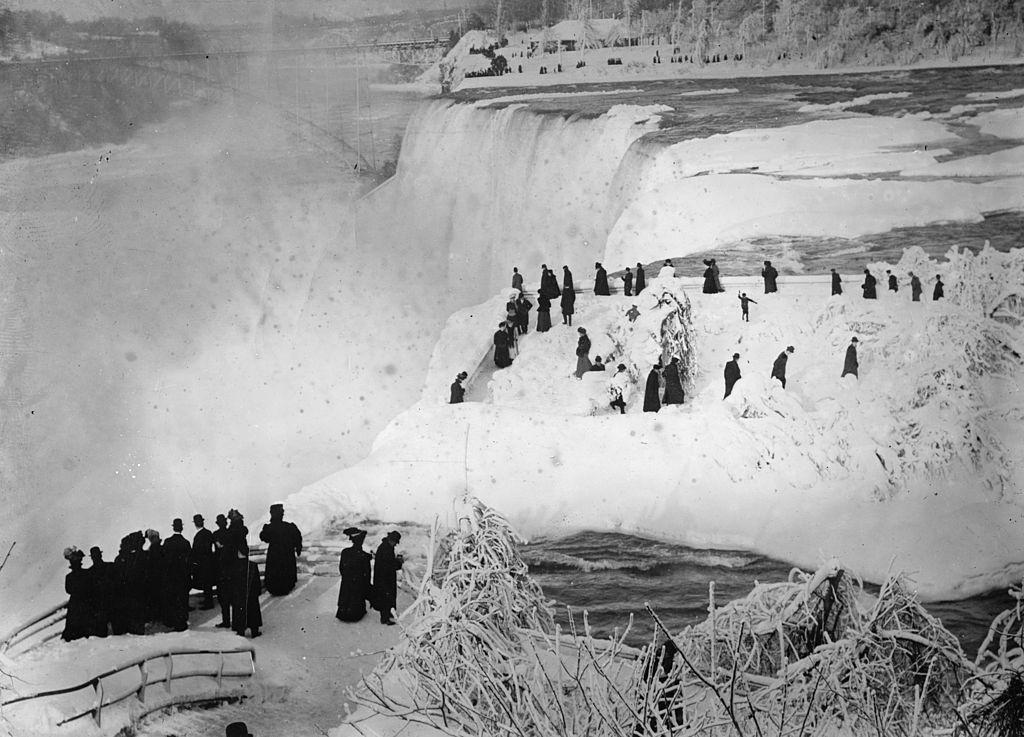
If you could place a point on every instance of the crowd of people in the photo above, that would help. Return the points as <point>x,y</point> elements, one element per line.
<point>516,324</point>
<point>150,581</point>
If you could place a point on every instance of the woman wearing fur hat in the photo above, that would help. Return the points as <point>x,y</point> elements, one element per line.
<point>354,567</point>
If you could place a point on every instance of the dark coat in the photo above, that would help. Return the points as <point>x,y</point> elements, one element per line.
<point>938,292</point>
<point>245,596</point>
<point>175,581</point>
<point>732,375</point>
<point>549,284</point>
<point>709,282</point>
<point>523,307</point>
<point>868,287</point>
<point>583,346</point>
<point>153,563</point>
<point>915,289</point>
<point>458,393</point>
<point>78,622</point>
<point>517,281</point>
<point>102,596</point>
<point>779,367</point>
<point>673,385</point>
<point>203,564</point>
<point>601,283</point>
<point>627,284</point>
<point>543,314</point>
<point>837,283</point>
<point>385,578</point>
<point>850,365</point>
<point>502,359</point>
<point>130,581</point>
<point>355,590</point>
<point>284,545</point>
<point>641,280</point>
<point>893,286</point>
<point>568,302</point>
<point>770,274</point>
<point>567,283</point>
<point>651,401</point>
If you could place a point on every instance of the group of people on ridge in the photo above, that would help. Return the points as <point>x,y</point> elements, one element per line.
<point>150,580</point>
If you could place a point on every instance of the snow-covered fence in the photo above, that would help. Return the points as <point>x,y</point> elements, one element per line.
<point>148,676</point>
<point>34,632</point>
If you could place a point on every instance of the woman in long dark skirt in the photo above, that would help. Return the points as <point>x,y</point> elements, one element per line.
<point>543,313</point>
<point>502,359</point>
<point>78,621</point>
<point>641,279</point>
<point>582,354</point>
<point>355,589</point>
<point>673,383</point>
<point>709,282</point>
<point>651,401</point>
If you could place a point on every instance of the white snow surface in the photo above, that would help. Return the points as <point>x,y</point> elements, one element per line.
<point>1002,123</point>
<point>914,466</point>
<point>855,102</point>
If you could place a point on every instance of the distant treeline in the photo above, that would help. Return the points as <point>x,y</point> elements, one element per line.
<point>829,31</point>
<point>22,31</point>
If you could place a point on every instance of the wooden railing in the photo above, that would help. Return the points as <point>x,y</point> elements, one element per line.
<point>36,626</point>
<point>104,700</point>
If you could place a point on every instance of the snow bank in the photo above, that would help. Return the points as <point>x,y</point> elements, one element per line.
<point>855,102</point>
<point>1003,123</point>
<point>912,466</point>
<point>1008,162</point>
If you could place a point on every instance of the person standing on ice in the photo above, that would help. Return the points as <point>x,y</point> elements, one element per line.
<point>850,365</point>
<point>523,307</point>
<point>641,279</point>
<point>745,303</point>
<point>502,359</point>
<point>203,565</point>
<point>568,304</point>
<point>713,265</point>
<point>709,281</point>
<point>543,313</point>
<point>652,391</point>
<point>601,281</point>
<point>517,279</point>
<point>154,571</point>
<point>633,313</point>
<point>76,585</point>
<point>176,582</point>
<point>354,567</point>
<point>915,287</point>
<point>779,367</point>
<point>245,592</point>
<point>770,275</point>
<point>837,283</point>
<point>938,293</point>
<point>667,270</point>
<point>673,383</point>
<point>101,592</point>
<point>893,286</point>
<point>868,287</point>
<point>618,387</point>
<point>582,354</point>
<point>627,282</point>
<point>732,374</point>
<point>458,395</point>
<point>284,546</point>
<point>225,552</point>
<point>385,577</point>
<point>567,284</point>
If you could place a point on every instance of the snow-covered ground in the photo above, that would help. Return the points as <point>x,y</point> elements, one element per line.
<point>915,466</point>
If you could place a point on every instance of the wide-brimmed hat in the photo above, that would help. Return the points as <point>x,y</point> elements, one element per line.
<point>394,536</point>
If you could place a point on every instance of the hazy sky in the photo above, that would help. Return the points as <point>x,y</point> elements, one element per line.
<point>222,12</point>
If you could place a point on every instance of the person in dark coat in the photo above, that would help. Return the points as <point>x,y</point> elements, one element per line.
<point>745,303</point>
<point>713,265</point>
<point>673,383</point>
<point>779,367</point>
<point>354,567</point>
<point>523,307</point>
<point>175,583</point>
<point>102,593</point>
<point>385,577</point>
<point>652,403</point>
<point>893,286</point>
<point>224,550</point>
<point>627,282</point>
<point>850,365</point>
<point>633,313</point>
<point>915,287</point>
<point>868,287</point>
<point>237,729</point>
<point>245,593</point>
<point>78,622</point>
<point>582,353</point>
<point>938,293</point>
<point>130,587</point>
<point>203,565</point>
<point>709,282</point>
<point>770,274</point>
<point>543,313</point>
<point>517,279</point>
<point>567,283</point>
<point>553,290</point>
<point>641,279</point>
<point>152,556</point>
<point>732,374</point>
<point>458,391</point>
<point>837,283</point>
<point>568,303</point>
<point>502,359</point>
<point>598,364</point>
<point>601,281</point>
<point>284,546</point>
